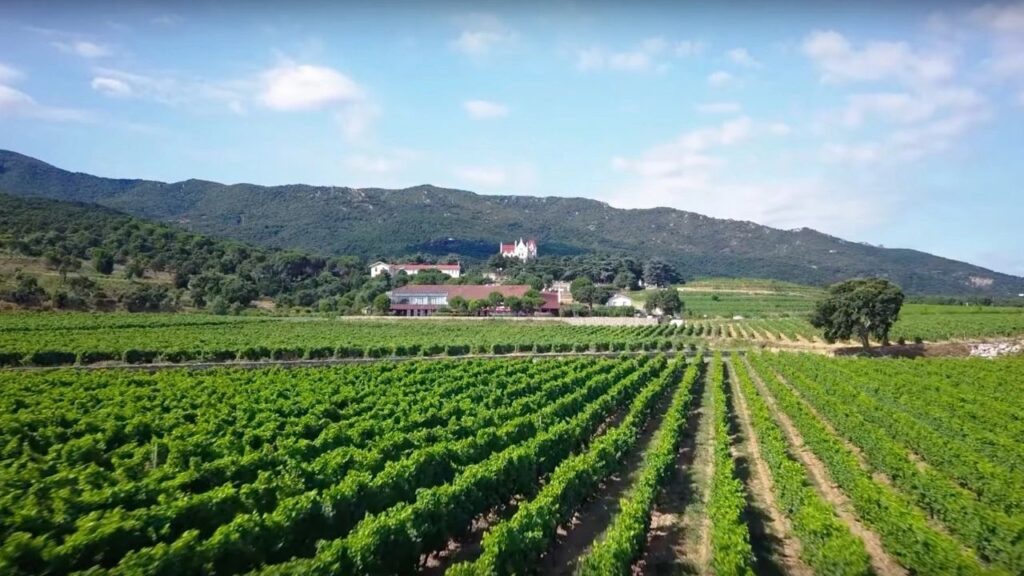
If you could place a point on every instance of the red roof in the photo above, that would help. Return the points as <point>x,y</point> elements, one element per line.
<point>508,247</point>
<point>467,291</point>
<point>419,267</point>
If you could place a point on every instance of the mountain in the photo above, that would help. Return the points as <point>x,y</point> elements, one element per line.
<point>377,223</point>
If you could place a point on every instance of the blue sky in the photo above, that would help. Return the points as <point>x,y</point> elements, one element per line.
<point>902,127</point>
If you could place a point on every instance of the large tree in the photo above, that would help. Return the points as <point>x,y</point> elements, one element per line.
<point>659,273</point>
<point>584,291</point>
<point>666,300</point>
<point>861,308</point>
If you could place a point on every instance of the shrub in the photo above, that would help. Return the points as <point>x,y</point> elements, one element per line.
<point>581,347</point>
<point>456,349</point>
<point>223,355</point>
<point>253,353</point>
<point>180,355</point>
<point>345,351</point>
<point>10,359</point>
<point>92,357</point>
<point>542,348</point>
<point>319,353</point>
<point>379,351</point>
<point>135,356</point>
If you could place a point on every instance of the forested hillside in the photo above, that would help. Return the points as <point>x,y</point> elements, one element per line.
<point>376,223</point>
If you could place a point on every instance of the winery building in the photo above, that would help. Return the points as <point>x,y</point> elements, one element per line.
<point>425,299</point>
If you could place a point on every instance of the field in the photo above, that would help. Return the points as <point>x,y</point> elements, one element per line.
<point>54,339</point>
<point>782,463</point>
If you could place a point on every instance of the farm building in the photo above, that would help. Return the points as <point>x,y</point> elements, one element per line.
<point>378,268</point>
<point>425,299</point>
<point>620,301</point>
<point>522,250</point>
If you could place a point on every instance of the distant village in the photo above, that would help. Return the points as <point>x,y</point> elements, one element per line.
<point>494,298</point>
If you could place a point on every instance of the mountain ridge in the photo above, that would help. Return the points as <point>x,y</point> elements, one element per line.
<point>378,222</point>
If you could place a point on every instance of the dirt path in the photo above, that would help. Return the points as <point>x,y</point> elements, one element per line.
<point>776,548</point>
<point>881,562</point>
<point>675,542</point>
<point>595,515</point>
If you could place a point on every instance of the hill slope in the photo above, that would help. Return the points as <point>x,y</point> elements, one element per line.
<point>377,222</point>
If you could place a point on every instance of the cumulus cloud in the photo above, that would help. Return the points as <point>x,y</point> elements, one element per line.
<point>15,103</point>
<point>306,87</point>
<point>84,48</point>
<point>484,109</point>
<point>9,73</point>
<point>839,61</point>
<point>650,54</point>
<point>696,171</point>
<point>111,86</point>
<point>719,108</point>
<point>356,119</point>
<point>720,78</point>
<point>1001,18</point>
<point>173,90</point>
<point>480,35</point>
<point>743,58</point>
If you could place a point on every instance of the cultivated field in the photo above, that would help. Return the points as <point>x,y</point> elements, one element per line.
<point>765,463</point>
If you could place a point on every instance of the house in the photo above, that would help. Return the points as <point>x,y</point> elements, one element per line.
<point>425,299</point>
<point>378,268</point>
<point>522,250</point>
<point>561,288</point>
<point>620,301</point>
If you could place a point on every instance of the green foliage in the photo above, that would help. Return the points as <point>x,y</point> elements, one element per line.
<point>730,539</point>
<point>667,300</point>
<point>622,543</point>
<point>862,308</point>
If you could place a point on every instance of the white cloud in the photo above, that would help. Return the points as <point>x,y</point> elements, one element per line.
<point>906,126</point>
<point>84,48</point>
<point>1020,98</point>
<point>695,172</point>
<point>720,78</point>
<point>719,108</point>
<point>14,102</point>
<point>650,54</point>
<point>1001,18</point>
<point>908,108</point>
<point>686,48</point>
<point>688,157</point>
<point>481,34</point>
<point>9,73</point>
<point>839,61</point>
<point>356,119</point>
<point>167,20</point>
<point>111,86</point>
<point>292,87</point>
<point>172,90</point>
<point>486,176</point>
<point>743,58</point>
<point>484,109</point>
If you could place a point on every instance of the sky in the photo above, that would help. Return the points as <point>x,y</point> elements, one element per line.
<point>900,124</point>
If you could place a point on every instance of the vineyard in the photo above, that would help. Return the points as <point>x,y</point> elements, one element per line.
<point>782,463</point>
<point>56,339</point>
<point>50,339</point>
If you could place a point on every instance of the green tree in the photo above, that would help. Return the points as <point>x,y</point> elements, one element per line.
<point>667,300</point>
<point>861,308</point>
<point>103,261</point>
<point>625,280</point>
<point>381,304</point>
<point>659,273</point>
<point>584,292</point>
<point>458,305</point>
